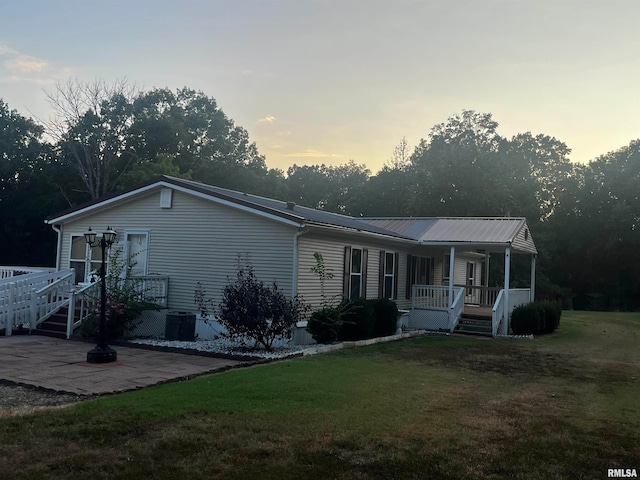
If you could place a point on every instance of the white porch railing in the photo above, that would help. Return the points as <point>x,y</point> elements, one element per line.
<point>431,297</point>
<point>84,300</point>
<point>9,272</point>
<point>48,300</point>
<point>430,307</point>
<point>457,307</point>
<point>479,295</point>
<point>22,298</point>
<point>500,320</point>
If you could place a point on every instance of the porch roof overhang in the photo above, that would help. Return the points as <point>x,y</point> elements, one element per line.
<point>491,234</point>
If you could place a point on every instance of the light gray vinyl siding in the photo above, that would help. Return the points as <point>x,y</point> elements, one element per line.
<point>332,250</point>
<point>196,240</point>
<point>460,269</point>
<point>522,243</point>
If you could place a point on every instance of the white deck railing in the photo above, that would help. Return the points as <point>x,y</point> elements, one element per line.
<point>150,288</point>
<point>457,308</point>
<point>13,271</point>
<point>25,296</point>
<point>430,297</point>
<point>479,295</point>
<point>500,320</point>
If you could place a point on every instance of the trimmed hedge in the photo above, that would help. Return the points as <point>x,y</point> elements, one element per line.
<point>535,318</point>
<point>386,317</point>
<point>357,319</point>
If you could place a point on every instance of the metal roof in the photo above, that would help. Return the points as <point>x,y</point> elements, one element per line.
<point>475,230</point>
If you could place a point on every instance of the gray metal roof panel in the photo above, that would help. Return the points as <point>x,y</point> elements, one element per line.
<point>454,229</point>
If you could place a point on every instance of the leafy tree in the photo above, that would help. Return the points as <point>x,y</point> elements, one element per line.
<point>331,188</point>
<point>91,131</point>
<point>26,195</point>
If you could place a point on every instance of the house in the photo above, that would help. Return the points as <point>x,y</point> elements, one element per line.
<point>188,232</point>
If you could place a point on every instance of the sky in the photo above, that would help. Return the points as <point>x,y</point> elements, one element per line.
<point>330,81</point>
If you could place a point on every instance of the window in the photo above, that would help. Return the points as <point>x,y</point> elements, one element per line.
<point>419,272</point>
<point>83,259</point>
<point>471,269</point>
<point>388,282</point>
<point>355,273</point>
<point>446,264</point>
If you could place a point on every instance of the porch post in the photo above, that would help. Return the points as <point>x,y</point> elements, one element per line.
<point>487,256</point>
<point>533,278</point>
<point>452,262</point>
<point>507,272</point>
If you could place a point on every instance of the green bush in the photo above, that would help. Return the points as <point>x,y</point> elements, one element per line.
<point>525,319</point>
<point>535,318</point>
<point>357,320</point>
<point>325,324</point>
<point>385,312</point>
<point>552,313</point>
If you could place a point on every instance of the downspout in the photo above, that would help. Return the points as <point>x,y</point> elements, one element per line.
<point>59,245</point>
<point>294,276</point>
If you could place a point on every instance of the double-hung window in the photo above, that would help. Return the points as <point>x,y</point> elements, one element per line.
<point>85,260</point>
<point>355,272</point>
<point>388,284</point>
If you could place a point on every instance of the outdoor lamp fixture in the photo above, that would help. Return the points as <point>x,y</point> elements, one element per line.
<point>102,353</point>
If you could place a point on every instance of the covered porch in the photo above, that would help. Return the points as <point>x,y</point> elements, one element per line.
<point>461,304</point>
<point>460,276</point>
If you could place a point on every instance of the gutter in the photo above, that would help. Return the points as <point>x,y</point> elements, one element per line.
<point>58,246</point>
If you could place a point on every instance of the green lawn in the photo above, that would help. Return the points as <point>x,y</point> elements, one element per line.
<point>562,406</point>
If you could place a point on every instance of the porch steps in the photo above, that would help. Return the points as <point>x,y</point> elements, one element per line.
<point>474,324</point>
<point>54,326</point>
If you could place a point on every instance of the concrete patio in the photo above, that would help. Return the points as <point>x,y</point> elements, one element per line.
<point>60,365</point>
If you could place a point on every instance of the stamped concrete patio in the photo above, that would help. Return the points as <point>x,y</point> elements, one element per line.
<point>60,365</point>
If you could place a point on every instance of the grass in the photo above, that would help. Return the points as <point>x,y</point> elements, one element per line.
<point>561,406</point>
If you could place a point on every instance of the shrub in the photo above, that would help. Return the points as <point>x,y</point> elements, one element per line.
<point>251,310</point>
<point>357,320</point>
<point>525,319</point>
<point>125,302</point>
<point>325,324</point>
<point>386,317</point>
<point>536,318</point>
<point>552,313</point>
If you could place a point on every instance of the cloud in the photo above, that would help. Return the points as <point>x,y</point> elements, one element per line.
<point>267,119</point>
<point>18,67</point>
<point>311,153</point>
<point>25,64</point>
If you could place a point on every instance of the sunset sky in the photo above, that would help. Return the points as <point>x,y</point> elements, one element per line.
<point>328,81</point>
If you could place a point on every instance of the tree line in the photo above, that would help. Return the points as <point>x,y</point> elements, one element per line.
<point>584,217</point>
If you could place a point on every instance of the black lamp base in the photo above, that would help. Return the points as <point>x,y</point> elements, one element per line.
<point>102,355</point>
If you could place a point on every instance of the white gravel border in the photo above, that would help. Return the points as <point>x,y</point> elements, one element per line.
<point>224,346</point>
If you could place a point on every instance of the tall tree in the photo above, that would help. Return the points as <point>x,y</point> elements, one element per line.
<point>26,197</point>
<point>463,168</point>
<point>91,130</point>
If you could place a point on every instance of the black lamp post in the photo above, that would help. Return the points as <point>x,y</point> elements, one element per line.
<point>102,353</point>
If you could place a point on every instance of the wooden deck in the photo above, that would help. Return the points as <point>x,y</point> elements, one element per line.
<point>480,311</point>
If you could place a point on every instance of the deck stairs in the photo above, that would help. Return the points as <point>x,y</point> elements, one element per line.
<point>474,324</point>
<point>54,326</point>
